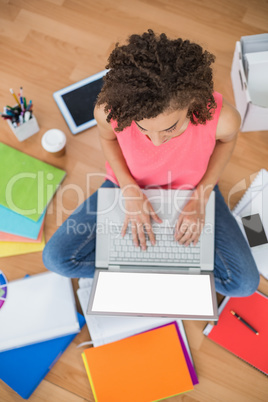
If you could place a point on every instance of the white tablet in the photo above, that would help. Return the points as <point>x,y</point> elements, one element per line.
<point>77,101</point>
<point>153,294</point>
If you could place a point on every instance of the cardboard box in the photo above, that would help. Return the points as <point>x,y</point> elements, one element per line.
<point>254,117</point>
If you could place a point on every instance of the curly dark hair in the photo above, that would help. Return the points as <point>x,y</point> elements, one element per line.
<point>151,74</point>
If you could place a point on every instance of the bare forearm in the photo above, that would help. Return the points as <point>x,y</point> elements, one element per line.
<point>219,159</point>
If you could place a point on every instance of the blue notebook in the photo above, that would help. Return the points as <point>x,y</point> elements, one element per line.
<point>11,222</point>
<point>24,368</point>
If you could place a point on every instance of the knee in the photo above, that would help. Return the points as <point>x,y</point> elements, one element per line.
<point>247,284</point>
<point>53,259</point>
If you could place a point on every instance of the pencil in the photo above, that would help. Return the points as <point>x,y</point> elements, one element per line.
<point>244,322</point>
<point>15,97</point>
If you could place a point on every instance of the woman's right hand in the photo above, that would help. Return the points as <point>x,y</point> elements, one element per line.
<point>139,212</point>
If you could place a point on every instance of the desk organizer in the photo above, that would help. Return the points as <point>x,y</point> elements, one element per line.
<point>26,129</point>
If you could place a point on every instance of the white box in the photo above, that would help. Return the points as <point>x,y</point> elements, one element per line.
<point>254,117</point>
<point>26,129</point>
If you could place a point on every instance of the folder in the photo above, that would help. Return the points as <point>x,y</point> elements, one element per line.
<point>144,367</point>
<point>27,184</point>
<point>36,309</point>
<point>235,336</point>
<point>23,369</point>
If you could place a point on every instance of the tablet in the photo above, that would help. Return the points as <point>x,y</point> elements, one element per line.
<point>153,294</point>
<point>77,101</point>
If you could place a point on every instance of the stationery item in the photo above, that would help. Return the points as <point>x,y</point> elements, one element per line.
<point>9,248</point>
<point>3,289</point>
<point>19,225</point>
<point>251,213</point>
<point>27,184</point>
<point>106,329</point>
<point>144,367</point>
<point>38,308</point>
<point>23,369</point>
<point>77,101</point>
<point>14,95</point>
<point>244,322</point>
<point>238,337</point>
<point>14,238</point>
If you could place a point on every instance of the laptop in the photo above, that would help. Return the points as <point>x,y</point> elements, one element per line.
<point>166,280</point>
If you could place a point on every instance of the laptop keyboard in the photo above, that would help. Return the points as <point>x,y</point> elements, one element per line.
<point>166,250</point>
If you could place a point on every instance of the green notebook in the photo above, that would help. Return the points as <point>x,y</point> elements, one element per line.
<point>27,184</point>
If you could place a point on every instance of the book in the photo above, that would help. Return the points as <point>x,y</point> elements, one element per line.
<point>19,225</point>
<point>9,248</point>
<point>27,184</point>
<point>36,309</point>
<point>251,214</point>
<point>23,369</point>
<point>145,367</point>
<point>15,238</point>
<point>236,337</point>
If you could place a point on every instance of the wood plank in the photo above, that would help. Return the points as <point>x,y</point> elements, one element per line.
<point>46,45</point>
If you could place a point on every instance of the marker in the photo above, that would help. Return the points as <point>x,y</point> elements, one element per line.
<point>27,115</point>
<point>244,322</point>
<point>15,97</point>
<point>29,105</point>
<point>21,103</point>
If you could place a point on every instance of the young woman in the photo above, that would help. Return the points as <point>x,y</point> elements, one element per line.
<point>161,124</point>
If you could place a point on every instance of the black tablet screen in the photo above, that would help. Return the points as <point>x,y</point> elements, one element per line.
<point>254,230</point>
<point>81,101</point>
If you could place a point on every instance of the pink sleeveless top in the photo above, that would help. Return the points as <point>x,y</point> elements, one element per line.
<point>178,163</point>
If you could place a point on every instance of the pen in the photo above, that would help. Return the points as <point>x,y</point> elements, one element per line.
<point>21,103</point>
<point>15,97</point>
<point>244,322</point>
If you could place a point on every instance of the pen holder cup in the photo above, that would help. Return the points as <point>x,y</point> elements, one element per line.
<point>26,129</point>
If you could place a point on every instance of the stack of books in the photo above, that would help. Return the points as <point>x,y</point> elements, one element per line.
<point>34,336</point>
<point>135,358</point>
<point>27,186</point>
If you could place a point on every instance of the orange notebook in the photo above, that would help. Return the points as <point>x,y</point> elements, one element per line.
<point>146,367</point>
<point>236,337</point>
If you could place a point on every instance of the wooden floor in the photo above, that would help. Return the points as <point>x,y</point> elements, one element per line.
<point>46,45</point>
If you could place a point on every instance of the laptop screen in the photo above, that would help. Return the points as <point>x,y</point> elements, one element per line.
<point>153,294</point>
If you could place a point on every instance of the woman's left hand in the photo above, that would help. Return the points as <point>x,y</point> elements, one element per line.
<point>190,222</point>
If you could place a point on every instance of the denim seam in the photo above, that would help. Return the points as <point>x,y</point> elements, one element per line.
<point>228,271</point>
<point>73,257</point>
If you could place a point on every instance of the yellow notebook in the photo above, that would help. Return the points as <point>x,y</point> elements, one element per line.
<point>9,248</point>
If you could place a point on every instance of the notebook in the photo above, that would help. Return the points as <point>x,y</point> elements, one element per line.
<point>235,336</point>
<point>144,367</point>
<point>15,224</point>
<point>182,288</point>
<point>27,184</point>
<point>251,214</point>
<point>39,308</point>
<point>4,236</point>
<point>23,369</point>
<point>9,248</point>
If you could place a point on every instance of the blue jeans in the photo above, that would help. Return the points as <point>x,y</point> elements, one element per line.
<point>71,250</point>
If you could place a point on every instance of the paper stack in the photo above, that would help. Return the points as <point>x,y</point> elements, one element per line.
<point>27,186</point>
<point>38,320</point>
